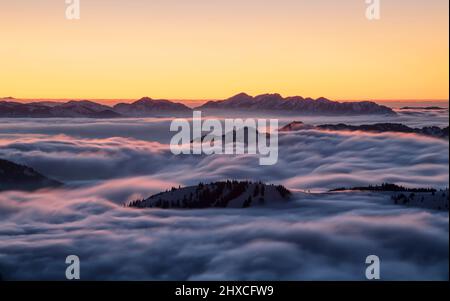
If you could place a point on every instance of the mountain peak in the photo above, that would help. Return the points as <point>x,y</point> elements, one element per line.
<point>242,94</point>
<point>150,101</point>
<point>147,106</point>
<point>82,102</point>
<point>144,99</point>
<point>296,105</point>
<point>269,95</point>
<point>240,97</point>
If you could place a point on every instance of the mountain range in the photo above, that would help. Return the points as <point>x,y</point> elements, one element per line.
<point>88,109</point>
<point>296,105</point>
<point>147,107</point>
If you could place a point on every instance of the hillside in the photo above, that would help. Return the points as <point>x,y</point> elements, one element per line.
<point>19,177</point>
<point>229,194</point>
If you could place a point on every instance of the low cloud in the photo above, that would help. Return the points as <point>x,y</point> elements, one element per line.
<point>307,160</point>
<point>317,237</point>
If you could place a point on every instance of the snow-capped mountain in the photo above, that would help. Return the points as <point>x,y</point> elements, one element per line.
<point>296,104</point>
<point>19,177</point>
<point>229,194</point>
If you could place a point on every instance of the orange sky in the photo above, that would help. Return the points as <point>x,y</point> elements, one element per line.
<point>212,49</point>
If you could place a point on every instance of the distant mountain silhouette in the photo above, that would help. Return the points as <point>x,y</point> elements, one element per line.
<point>147,107</point>
<point>296,104</point>
<point>150,107</point>
<point>432,108</point>
<point>19,177</point>
<point>15,109</point>
<point>431,131</point>
<point>88,109</point>
<point>83,108</point>
<point>52,109</point>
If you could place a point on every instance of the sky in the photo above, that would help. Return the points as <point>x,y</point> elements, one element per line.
<point>212,49</point>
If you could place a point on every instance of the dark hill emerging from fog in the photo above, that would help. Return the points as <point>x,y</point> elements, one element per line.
<point>430,131</point>
<point>229,194</point>
<point>19,177</point>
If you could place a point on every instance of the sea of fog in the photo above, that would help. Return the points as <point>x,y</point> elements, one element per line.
<point>318,236</point>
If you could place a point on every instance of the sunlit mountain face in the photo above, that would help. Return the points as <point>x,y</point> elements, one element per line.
<point>101,118</point>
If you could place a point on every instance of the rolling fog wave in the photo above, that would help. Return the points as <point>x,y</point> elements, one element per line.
<point>318,237</point>
<point>311,159</point>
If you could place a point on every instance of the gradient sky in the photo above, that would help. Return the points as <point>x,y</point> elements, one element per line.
<point>200,49</point>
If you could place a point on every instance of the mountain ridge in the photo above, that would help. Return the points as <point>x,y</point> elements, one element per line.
<point>89,109</point>
<point>296,104</point>
<point>148,107</point>
<point>430,131</point>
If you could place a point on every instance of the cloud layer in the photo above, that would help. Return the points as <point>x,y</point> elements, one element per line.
<point>317,237</point>
<point>307,160</point>
<point>323,237</point>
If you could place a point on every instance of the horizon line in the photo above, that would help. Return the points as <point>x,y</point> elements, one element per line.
<point>215,98</point>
